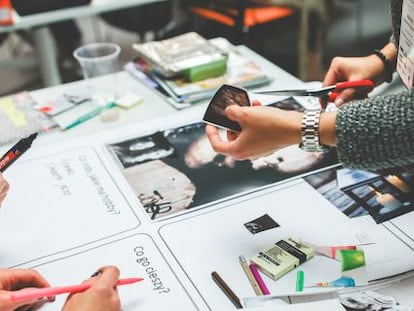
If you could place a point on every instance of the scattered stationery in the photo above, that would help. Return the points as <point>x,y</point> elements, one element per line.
<point>128,100</point>
<point>259,279</point>
<point>39,293</point>
<point>16,151</point>
<point>19,118</point>
<point>341,282</point>
<point>64,102</point>
<point>226,290</point>
<point>282,257</point>
<point>353,265</point>
<point>250,276</point>
<point>353,270</point>
<point>84,117</point>
<point>330,251</point>
<point>300,279</point>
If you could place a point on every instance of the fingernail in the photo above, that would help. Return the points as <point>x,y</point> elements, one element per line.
<point>96,273</point>
<point>339,102</point>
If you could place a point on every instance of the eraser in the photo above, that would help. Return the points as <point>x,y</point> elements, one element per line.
<point>110,115</point>
<point>282,257</point>
<point>128,100</point>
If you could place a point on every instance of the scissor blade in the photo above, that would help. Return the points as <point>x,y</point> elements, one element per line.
<point>284,92</point>
<point>299,92</point>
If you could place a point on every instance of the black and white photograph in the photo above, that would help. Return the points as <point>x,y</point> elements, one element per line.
<point>226,95</point>
<point>176,170</point>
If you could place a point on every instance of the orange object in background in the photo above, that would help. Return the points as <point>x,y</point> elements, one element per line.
<point>6,9</point>
<point>252,16</point>
<point>239,16</point>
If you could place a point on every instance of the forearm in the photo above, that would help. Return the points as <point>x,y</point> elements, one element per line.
<point>376,133</point>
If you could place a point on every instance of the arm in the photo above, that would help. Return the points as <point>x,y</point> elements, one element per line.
<point>18,279</point>
<point>102,296</point>
<point>375,133</point>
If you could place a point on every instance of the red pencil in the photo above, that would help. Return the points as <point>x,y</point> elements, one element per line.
<point>38,293</point>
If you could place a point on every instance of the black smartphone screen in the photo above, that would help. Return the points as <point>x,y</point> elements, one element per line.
<point>226,95</point>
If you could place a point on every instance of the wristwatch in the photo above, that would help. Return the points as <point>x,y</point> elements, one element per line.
<point>310,132</point>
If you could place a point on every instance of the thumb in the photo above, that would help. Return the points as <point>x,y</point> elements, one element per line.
<point>234,112</point>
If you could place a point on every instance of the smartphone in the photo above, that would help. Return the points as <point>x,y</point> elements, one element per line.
<point>225,96</point>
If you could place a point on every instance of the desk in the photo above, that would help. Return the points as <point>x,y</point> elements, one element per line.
<point>157,245</point>
<point>44,43</point>
<point>154,105</point>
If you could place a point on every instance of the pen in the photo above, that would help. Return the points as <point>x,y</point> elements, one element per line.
<point>16,151</point>
<point>89,115</point>
<point>38,293</point>
<point>226,289</point>
<point>250,276</point>
<point>259,279</point>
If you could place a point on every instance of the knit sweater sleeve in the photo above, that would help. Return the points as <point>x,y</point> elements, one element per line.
<point>376,133</point>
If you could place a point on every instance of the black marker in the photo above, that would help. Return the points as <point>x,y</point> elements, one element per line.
<point>16,151</point>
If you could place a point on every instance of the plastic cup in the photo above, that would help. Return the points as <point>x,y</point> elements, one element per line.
<point>97,59</point>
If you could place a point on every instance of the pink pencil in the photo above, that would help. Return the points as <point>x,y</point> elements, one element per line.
<point>259,279</point>
<point>38,293</point>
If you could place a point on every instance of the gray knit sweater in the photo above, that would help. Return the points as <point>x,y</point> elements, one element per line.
<point>378,133</point>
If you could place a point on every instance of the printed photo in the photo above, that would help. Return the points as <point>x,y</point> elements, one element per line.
<point>226,95</point>
<point>176,170</point>
<point>358,193</point>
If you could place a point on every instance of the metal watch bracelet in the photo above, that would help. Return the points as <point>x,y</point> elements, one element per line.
<point>310,132</point>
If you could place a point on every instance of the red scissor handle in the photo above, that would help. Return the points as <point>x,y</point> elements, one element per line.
<point>355,84</point>
<point>368,84</point>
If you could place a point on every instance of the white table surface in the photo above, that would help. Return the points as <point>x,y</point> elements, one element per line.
<point>154,106</point>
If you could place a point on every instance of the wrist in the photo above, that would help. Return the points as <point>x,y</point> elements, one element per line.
<point>388,67</point>
<point>327,135</point>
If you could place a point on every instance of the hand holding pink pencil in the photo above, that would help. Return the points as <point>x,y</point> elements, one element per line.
<point>38,293</point>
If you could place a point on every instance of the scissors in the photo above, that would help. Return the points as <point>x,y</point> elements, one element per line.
<point>331,91</point>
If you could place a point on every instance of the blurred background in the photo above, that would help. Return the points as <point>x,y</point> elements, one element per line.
<point>335,27</point>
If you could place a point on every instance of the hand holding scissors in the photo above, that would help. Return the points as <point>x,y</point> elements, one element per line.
<point>330,92</point>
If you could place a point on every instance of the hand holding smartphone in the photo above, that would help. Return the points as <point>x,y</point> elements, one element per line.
<point>225,96</point>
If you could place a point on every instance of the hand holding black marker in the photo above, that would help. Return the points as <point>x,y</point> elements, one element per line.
<point>16,151</point>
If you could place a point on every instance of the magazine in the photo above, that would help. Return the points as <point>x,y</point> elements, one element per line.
<point>180,93</point>
<point>241,71</point>
<point>172,56</point>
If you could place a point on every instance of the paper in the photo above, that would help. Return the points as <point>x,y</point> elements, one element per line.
<point>172,171</point>
<point>79,212</point>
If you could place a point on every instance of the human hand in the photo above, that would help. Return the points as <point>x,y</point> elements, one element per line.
<point>19,279</point>
<point>351,69</point>
<point>101,296</point>
<point>4,187</point>
<point>264,130</point>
